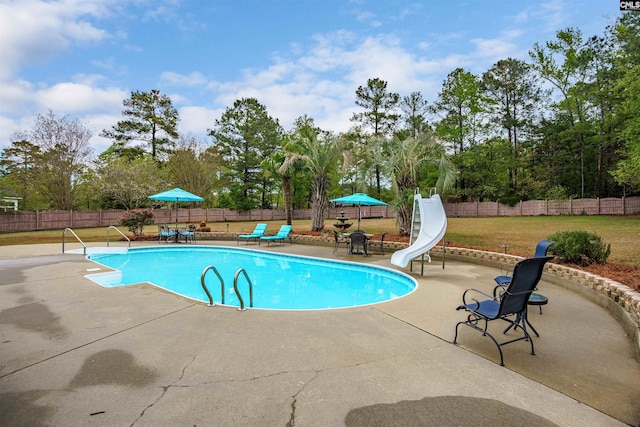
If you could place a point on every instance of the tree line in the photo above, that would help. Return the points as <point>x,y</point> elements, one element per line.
<point>563,124</point>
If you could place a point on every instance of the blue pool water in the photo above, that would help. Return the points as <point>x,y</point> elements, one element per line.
<point>280,281</point>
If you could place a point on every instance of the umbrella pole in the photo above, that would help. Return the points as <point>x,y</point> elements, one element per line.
<point>176,221</point>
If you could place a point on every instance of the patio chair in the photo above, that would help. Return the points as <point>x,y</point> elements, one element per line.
<point>358,239</point>
<point>536,299</point>
<point>165,233</point>
<point>541,251</point>
<point>283,234</point>
<point>509,307</point>
<point>338,240</point>
<point>189,234</point>
<point>255,235</point>
<point>372,245</point>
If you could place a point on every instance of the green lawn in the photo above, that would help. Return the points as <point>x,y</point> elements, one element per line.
<point>520,233</point>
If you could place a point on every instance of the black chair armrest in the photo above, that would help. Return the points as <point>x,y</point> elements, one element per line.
<point>474,291</point>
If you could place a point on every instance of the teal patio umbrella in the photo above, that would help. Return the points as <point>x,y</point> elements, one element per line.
<point>176,195</point>
<point>359,199</point>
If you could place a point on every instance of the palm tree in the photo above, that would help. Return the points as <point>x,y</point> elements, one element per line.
<point>403,160</point>
<point>321,157</point>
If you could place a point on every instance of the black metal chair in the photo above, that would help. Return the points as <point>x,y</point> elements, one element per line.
<point>509,307</point>
<point>371,244</point>
<point>339,240</point>
<point>541,251</point>
<point>358,239</point>
<point>535,299</point>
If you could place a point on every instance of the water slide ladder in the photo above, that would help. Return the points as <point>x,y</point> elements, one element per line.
<point>235,286</point>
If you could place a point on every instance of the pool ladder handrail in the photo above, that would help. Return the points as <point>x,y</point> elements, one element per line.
<point>118,230</point>
<point>84,251</point>
<point>204,286</point>
<point>235,288</point>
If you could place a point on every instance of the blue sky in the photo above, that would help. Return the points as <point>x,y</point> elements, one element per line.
<point>84,57</point>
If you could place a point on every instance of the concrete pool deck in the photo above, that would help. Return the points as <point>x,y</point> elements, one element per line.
<point>74,353</point>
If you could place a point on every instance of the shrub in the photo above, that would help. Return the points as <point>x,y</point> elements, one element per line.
<point>579,247</point>
<point>136,219</point>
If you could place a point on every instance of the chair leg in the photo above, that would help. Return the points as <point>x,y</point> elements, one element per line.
<point>484,332</point>
<point>522,320</point>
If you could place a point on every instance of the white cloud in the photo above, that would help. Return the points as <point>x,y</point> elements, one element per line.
<point>79,97</point>
<point>33,31</point>
<point>190,80</point>
<point>493,49</point>
<point>196,120</point>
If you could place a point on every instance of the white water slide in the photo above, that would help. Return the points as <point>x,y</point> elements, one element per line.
<point>429,225</point>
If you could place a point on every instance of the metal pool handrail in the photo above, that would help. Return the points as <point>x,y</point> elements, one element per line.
<point>121,233</point>
<point>204,286</point>
<point>235,288</point>
<point>76,236</point>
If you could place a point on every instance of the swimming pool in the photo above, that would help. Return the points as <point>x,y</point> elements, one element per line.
<point>280,281</point>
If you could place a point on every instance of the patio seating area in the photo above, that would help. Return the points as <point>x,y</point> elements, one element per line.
<point>76,353</point>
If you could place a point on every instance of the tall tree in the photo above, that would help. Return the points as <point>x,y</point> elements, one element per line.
<point>462,109</point>
<point>274,165</point>
<point>194,168</point>
<point>461,105</point>
<point>19,164</point>
<point>563,62</point>
<point>127,183</point>
<point>517,94</point>
<point>245,135</point>
<point>65,148</point>
<point>150,120</point>
<point>405,159</point>
<point>415,108</point>
<point>626,36</point>
<point>601,94</point>
<point>320,152</point>
<point>379,112</point>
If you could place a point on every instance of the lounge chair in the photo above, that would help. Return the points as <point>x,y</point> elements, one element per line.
<point>510,307</point>
<point>283,234</point>
<point>257,233</point>
<point>165,233</point>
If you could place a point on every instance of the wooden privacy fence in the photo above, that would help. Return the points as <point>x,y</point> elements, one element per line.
<point>607,206</point>
<point>51,220</point>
